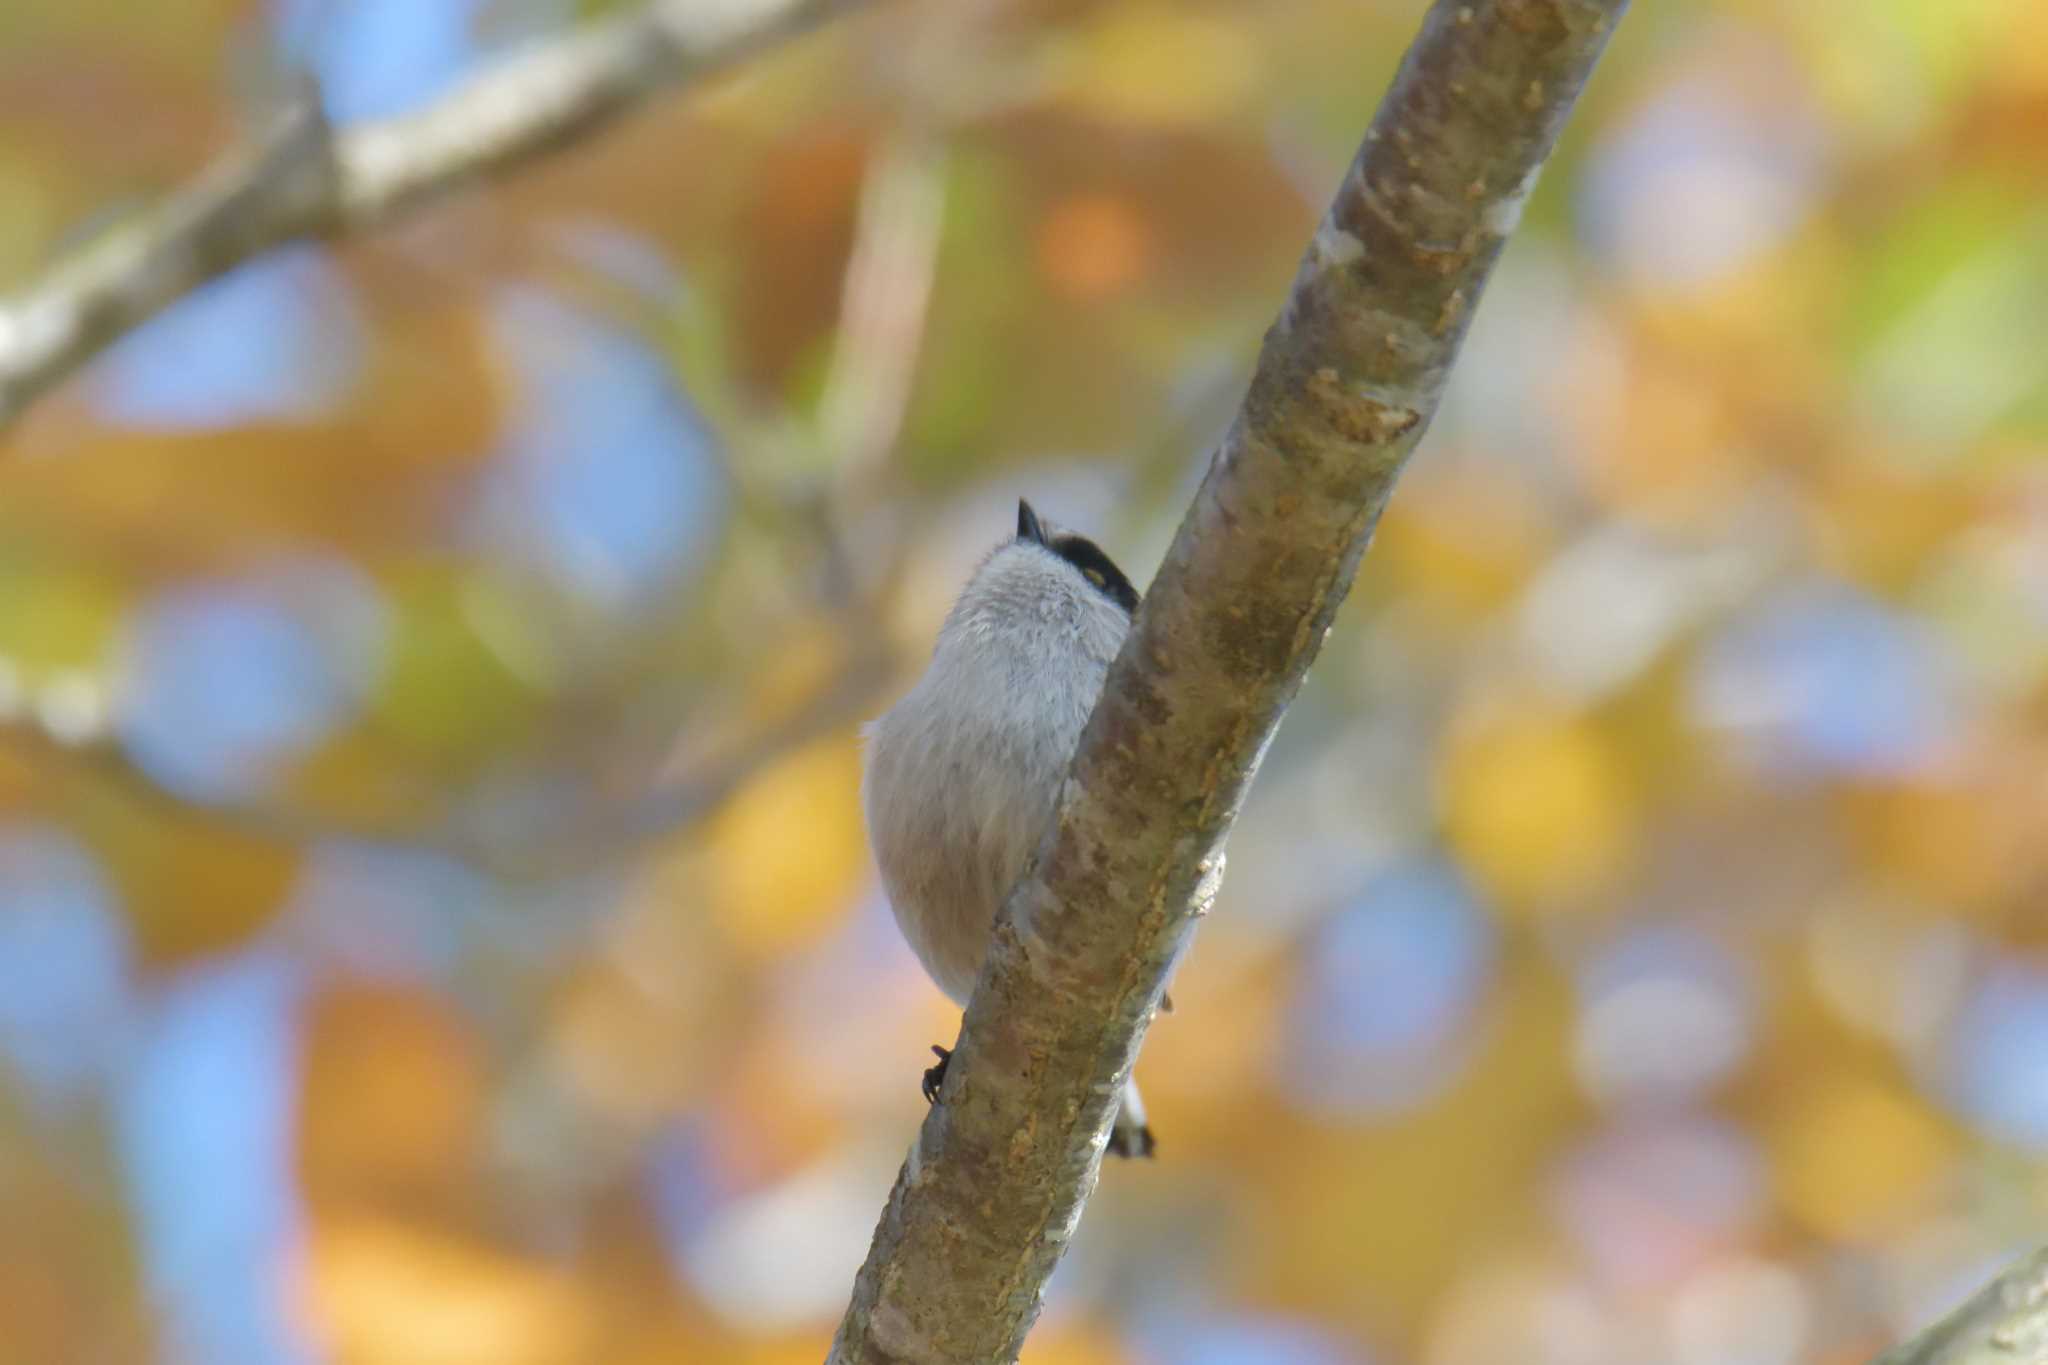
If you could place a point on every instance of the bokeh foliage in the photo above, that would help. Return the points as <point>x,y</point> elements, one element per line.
<point>435,924</point>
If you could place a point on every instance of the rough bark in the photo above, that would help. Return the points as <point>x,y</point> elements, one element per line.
<point>2006,1323</point>
<point>1345,386</point>
<point>309,180</point>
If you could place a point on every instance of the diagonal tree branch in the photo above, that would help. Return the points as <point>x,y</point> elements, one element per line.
<point>2005,1323</point>
<point>308,180</point>
<point>1346,383</point>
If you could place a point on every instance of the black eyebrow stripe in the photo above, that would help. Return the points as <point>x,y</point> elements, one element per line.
<point>1084,554</point>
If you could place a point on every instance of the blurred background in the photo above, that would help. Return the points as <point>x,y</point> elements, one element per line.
<point>435,920</point>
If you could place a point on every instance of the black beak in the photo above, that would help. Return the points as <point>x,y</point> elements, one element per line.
<point>1027,523</point>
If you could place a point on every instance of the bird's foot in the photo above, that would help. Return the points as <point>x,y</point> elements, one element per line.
<point>934,1077</point>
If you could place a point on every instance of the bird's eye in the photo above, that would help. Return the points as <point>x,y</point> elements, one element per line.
<point>1095,577</point>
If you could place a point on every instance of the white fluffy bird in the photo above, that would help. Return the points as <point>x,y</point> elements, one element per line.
<point>962,773</point>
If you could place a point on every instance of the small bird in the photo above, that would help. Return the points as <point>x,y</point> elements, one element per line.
<point>962,773</point>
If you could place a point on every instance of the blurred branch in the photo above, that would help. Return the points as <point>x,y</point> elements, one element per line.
<point>2005,1323</point>
<point>1345,386</point>
<point>884,306</point>
<point>680,798</point>
<point>565,840</point>
<point>883,303</point>
<point>307,179</point>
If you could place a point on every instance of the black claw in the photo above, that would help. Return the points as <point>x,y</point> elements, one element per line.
<point>1139,1144</point>
<point>934,1077</point>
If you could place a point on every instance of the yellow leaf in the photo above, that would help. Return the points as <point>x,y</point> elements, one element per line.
<point>447,691</point>
<point>57,620</point>
<point>1461,545</point>
<point>787,851</point>
<point>394,1096</point>
<point>385,1293</point>
<point>189,884</point>
<point>1854,1158</point>
<point>1538,808</point>
<point>1950,845</point>
<point>1161,64</point>
<point>1076,1343</point>
<point>1363,1224</point>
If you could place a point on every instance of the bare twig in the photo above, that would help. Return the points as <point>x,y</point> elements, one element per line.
<point>2005,1323</point>
<point>681,798</point>
<point>1346,384</point>
<point>308,180</point>
<point>589,832</point>
<point>883,304</point>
